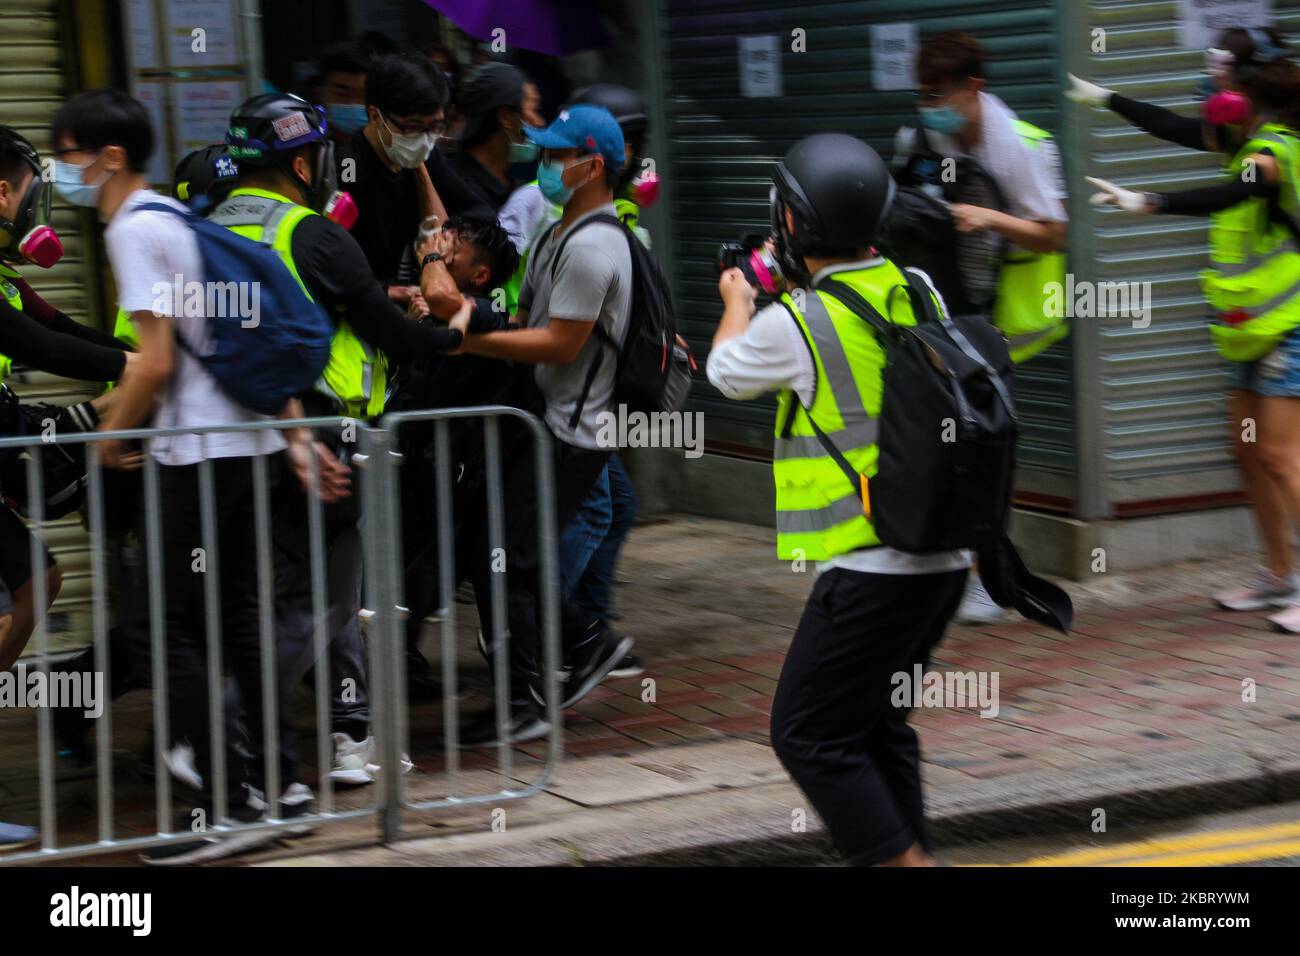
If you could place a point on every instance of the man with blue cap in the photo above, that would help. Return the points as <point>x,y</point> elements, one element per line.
<point>574,308</point>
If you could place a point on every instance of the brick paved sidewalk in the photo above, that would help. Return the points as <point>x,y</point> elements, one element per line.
<point>1150,669</point>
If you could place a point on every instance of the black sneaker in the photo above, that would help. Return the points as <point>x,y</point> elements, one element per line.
<point>589,663</point>
<point>526,723</point>
<point>209,847</point>
<point>629,666</point>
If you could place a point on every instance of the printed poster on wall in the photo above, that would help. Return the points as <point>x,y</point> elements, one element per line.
<point>201,110</point>
<point>1201,21</point>
<point>893,56</point>
<point>153,96</point>
<point>760,65</point>
<point>218,42</point>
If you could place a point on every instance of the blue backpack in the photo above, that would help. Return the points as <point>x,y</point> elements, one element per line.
<point>279,355</point>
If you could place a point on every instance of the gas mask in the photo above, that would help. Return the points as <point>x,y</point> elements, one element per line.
<point>788,252</point>
<point>28,237</point>
<point>644,189</point>
<point>322,193</point>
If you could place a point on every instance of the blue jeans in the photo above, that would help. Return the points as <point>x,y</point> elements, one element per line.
<point>584,534</point>
<point>592,590</point>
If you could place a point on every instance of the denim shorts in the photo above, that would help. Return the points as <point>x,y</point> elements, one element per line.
<point>1276,375</point>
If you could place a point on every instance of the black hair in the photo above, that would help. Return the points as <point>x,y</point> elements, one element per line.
<point>405,84</point>
<point>346,57</point>
<point>376,43</point>
<point>491,243</point>
<point>1268,77</point>
<point>14,155</point>
<point>951,57</point>
<point>99,118</point>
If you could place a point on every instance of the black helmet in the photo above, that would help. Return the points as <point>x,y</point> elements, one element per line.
<point>34,210</point>
<point>627,105</point>
<point>205,177</point>
<point>838,191</point>
<point>266,130</point>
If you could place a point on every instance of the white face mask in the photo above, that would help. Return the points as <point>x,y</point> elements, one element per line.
<point>409,150</point>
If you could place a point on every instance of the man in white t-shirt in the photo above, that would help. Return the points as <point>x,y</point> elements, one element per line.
<point>961,119</point>
<point>102,142</point>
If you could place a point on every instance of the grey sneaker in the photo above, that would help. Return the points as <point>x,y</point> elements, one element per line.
<point>1264,591</point>
<point>977,607</point>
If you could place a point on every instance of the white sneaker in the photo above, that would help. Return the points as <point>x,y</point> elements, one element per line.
<point>977,607</point>
<point>180,764</point>
<point>1265,590</point>
<point>1287,620</point>
<point>354,763</point>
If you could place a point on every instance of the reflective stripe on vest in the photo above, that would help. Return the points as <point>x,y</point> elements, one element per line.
<point>356,375</point>
<point>1254,280</point>
<point>1020,309</point>
<point>15,300</point>
<point>819,514</point>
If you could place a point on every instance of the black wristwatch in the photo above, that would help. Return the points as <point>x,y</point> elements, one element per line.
<point>431,257</point>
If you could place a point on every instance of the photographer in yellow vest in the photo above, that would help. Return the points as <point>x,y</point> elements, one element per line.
<point>874,611</point>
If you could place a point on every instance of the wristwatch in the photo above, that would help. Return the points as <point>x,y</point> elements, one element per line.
<point>431,257</point>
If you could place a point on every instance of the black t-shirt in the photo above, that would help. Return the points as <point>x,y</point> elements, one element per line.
<point>488,193</point>
<point>388,206</point>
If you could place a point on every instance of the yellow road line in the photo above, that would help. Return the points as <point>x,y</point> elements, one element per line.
<point>1168,847</point>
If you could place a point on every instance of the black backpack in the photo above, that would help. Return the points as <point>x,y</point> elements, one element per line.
<point>653,373</point>
<point>947,445</point>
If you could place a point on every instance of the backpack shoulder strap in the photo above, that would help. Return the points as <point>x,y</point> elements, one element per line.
<point>855,303</point>
<point>164,207</point>
<point>564,240</point>
<point>851,473</point>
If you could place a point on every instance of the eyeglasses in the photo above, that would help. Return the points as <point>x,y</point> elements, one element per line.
<point>437,128</point>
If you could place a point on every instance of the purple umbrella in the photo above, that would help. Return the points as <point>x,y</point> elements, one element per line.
<point>554,27</point>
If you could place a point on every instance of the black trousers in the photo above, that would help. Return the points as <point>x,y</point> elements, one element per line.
<point>576,470</point>
<point>833,724</point>
<point>185,603</point>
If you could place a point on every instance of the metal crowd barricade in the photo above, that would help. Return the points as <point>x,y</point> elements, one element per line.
<point>381,538</point>
<point>387,594</point>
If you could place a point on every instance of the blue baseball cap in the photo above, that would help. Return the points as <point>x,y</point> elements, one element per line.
<point>591,129</point>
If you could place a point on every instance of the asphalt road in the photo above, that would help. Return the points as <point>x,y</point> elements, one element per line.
<point>1265,836</point>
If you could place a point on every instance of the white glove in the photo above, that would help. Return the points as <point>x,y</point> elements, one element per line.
<point>1089,94</point>
<point>1111,195</point>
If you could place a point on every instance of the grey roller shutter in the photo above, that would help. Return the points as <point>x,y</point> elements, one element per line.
<point>722,148</point>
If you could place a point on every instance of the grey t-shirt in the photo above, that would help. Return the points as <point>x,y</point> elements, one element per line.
<point>593,283</point>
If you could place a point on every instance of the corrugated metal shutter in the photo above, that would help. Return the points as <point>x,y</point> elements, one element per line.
<point>722,147</point>
<point>1162,439</point>
<point>31,88</point>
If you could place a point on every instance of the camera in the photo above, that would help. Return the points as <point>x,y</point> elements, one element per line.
<point>753,258</point>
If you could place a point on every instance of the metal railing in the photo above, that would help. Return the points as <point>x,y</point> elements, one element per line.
<point>381,531</point>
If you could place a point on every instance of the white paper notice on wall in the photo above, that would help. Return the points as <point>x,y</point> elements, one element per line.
<point>1201,21</point>
<point>893,56</point>
<point>760,65</point>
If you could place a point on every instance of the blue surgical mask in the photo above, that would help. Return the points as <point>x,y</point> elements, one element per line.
<point>68,184</point>
<point>941,119</point>
<point>550,180</point>
<point>525,152</point>
<point>346,117</point>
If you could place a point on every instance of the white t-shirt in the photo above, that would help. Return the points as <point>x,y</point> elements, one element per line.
<point>148,250</point>
<point>1030,179</point>
<point>525,214</point>
<point>771,356</point>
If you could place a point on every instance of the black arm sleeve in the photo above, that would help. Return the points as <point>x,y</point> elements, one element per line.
<point>487,319</point>
<point>67,326</point>
<point>1162,123</point>
<point>336,272</point>
<point>32,343</point>
<point>1208,199</point>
